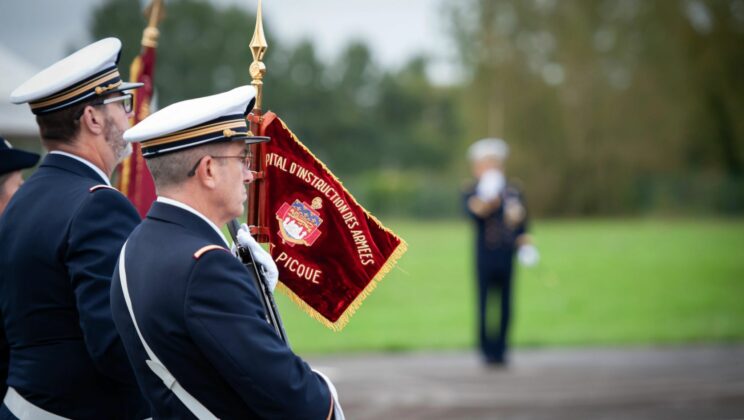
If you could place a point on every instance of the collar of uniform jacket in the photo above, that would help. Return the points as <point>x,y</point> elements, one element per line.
<point>87,163</point>
<point>159,211</point>
<point>75,164</point>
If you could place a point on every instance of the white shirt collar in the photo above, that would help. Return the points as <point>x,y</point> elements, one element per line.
<point>86,162</point>
<point>172,202</point>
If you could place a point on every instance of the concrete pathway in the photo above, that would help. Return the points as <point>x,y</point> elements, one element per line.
<point>696,382</point>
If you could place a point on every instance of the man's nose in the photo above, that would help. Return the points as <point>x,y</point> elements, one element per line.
<point>248,176</point>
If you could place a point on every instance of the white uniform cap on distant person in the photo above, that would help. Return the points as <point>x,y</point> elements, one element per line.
<point>195,122</point>
<point>85,74</point>
<point>489,147</point>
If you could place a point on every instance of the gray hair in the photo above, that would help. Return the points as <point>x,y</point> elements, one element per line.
<point>172,169</point>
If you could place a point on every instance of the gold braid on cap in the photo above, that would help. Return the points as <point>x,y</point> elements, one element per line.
<point>102,89</point>
<point>77,90</point>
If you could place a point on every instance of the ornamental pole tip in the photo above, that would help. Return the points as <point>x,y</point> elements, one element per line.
<point>154,12</point>
<point>258,49</point>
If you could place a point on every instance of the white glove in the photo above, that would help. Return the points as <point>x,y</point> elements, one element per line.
<point>490,185</point>
<point>338,413</point>
<point>528,255</point>
<point>262,258</point>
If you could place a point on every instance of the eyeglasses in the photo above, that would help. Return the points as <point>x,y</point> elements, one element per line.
<point>246,158</point>
<point>126,103</point>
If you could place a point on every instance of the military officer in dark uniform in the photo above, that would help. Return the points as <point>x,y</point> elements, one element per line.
<point>61,235</point>
<point>11,162</point>
<point>500,217</point>
<point>185,306</point>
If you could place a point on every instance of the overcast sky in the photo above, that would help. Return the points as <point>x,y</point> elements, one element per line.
<point>42,31</point>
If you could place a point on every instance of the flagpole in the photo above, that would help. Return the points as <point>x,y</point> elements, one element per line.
<point>133,178</point>
<point>255,189</point>
<point>256,193</point>
<point>155,14</point>
<point>257,69</point>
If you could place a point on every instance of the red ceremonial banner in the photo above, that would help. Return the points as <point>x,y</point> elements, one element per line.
<point>330,251</point>
<point>135,180</point>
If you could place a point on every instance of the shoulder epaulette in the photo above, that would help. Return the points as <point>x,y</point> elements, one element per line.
<point>101,186</point>
<point>206,249</point>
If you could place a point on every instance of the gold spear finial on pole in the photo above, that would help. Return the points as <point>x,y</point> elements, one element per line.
<point>258,49</point>
<point>155,12</point>
<point>256,213</point>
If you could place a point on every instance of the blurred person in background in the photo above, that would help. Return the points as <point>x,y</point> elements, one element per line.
<point>11,162</point>
<point>500,216</point>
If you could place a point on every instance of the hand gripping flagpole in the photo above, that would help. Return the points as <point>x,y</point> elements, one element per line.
<point>256,216</point>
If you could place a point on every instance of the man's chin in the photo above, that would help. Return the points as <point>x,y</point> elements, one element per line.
<point>125,153</point>
<point>239,213</point>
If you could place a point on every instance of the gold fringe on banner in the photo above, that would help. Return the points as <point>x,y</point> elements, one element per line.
<point>391,261</point>
<point>357,302</point>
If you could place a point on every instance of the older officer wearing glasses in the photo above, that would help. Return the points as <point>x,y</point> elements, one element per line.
<point>61,234</point>
<point>188,311</point>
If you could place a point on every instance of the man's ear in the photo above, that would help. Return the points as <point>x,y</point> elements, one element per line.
<point>92,120</point>
<point>206,172</point>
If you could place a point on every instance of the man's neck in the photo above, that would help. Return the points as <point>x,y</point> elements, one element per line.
<point>85,150</point>
<point>198,213</point>
<point>195,201</point>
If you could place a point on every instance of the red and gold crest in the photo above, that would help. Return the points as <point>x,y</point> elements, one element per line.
<point>299,222</point>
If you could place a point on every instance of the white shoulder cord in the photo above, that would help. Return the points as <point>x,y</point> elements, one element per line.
<point>157,367</point>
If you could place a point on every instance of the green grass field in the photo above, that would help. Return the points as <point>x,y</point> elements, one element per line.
<point>604,282</point>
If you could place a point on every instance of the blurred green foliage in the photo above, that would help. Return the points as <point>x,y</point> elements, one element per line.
<point>610,106</point>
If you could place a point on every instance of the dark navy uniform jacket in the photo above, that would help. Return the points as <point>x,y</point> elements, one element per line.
<point>60,242</point>
<point>498,231</point>
<point>201,315</point>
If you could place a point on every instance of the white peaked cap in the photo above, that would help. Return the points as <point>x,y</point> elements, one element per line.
<point>488,147</point>
<point>89,72</point>
<point>195,122</point>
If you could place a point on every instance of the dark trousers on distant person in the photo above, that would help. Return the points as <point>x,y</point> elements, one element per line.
<point>494,286</point>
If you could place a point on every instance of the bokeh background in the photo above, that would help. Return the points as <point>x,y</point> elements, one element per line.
<point>625,120</point>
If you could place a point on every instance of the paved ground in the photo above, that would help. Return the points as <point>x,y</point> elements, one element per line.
<point>699,382</point>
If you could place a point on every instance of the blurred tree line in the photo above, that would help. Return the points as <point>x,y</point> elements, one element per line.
<point>610,107</point>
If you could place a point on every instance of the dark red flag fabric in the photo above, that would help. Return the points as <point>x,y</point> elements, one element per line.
<point>330,251</point>
<point>135,180</point>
